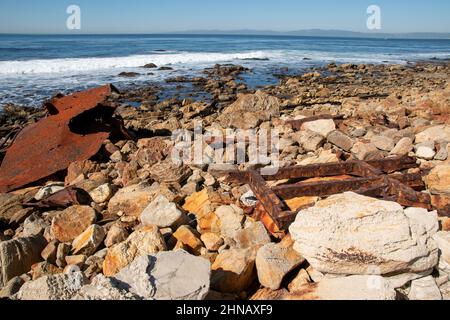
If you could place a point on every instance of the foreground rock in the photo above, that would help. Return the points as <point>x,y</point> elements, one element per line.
<point>168,276</point>
<point>356,235</point>
<point>70,223</point>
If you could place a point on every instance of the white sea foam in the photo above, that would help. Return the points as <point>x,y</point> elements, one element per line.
<point>86,65</point>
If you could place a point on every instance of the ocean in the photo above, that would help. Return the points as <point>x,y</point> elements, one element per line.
<point>33,68</point>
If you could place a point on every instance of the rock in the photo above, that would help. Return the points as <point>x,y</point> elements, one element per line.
<point>442,239</point>
<point>425,151</point>
<point>403,147</point>
<point>88,242</point>
<point>275,261</point>
<point>340,140</point>
<point>346,288</point>
<point>189,237</point>
<point>61,253</point>
<point>310,141</point>
<point>424,289</point>
<point>365,151</point>
<point>18,255</point>
<point>11,288</point>
<point>42,269</point>
<point>299,281</point>
<point>150,66</point>
<point>102,193</point>
<point>253,236</point>
<point>48,190</point>
<point>168,276</point>
<point>383,143</point>
<point>52,287</point>
<point>249,199</point>
<point>49,252</point>
<point>438,181</point>
<point>231,219</point>
<point>141,242</point>
<point>80,168</point>
<point>70,223</point>
<point>434,134</point>
<point>322,127</point>
<point>170,172</point>
<point>163,213</point>
<point>33,225</point>
<point>250,110</point>
<point>233,270</point>
<point>128,74</point>
<point>77,260</point>
<point>212,241</point>
<point>104,289</point>
<point>443,153</point>
<point>354,234</point>
<point>131,200</point>
<point>116,234</point>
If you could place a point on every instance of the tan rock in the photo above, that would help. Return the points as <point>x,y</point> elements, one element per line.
<point>231,219</point>
<point>102,193</point>
<point>163,213</point>
<point>299,281</point>
<point>142,242</point>
<point>70,223</point>
<point>438,181</point>
<point>212,241</point>
<point>77,260</point>
<point>49,252</point>
<point>253,236</point>
<point>116,234</point>
<point>132,200</point>
<point>433,134</point>
<point>189,237</point>
<point>365,151</point>
<point>88,242</point>
<point>322,127</point>
<point>403,147</point>
<point>233,271</point>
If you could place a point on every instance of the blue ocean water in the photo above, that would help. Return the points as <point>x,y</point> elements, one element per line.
<point>33,68</point>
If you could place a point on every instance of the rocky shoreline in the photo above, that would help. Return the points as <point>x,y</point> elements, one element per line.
<point>155,228</point>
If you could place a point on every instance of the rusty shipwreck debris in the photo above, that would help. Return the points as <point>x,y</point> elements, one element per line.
<point>373,178</point>
<point>75,129</point>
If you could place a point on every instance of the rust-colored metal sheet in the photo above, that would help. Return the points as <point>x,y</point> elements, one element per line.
<point>74,131</point>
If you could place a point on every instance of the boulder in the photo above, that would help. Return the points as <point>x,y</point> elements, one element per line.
<point>164,214</point>
<point>425,151</point>
<point>18,255</point>
<point>233,270</point>
<point>52,287</point>
<point>141,242</point>
<point>231,219</point>
<point>132,200</point>
<point>340,140</point>
<point>253,236</point>
<point>275,261</point>
<point>250,110</point>
<point>321,127</point>
<point>189,237</point>
<point>383,143</point>
<point>88,242</point>
<point>365,151</point>
<point>309,140</point>
<point>116,234</point>
<point>70,223</point>
<point>174,275</point>
<point>351,234</point>
<point>434,134</point>
<point>438,181</point>
<point>403,147</point>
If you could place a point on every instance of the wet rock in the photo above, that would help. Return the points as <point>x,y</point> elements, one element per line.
<point>116,234</point>
<point>18,255</point>
<point>275,261</point>
<point>131,200</point>
<point>129,74</point>
<point>141,242</point>
<point>321,127</point>
<point>163,213</point>
<point>253,236</point>
<point>250,110</point>
<point>424,289</point>
<point>168,276</point>
<point>438,181</point>
<point>52,287</point>
<point>70,223</point>
<point>88,242</point>
<point>340,140</point>
<point>233,271</point>
<point>150,66</point>
<point>353,234</point>
<point>403,147</point>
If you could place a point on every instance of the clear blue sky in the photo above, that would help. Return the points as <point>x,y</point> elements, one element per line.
<point>140,16</point>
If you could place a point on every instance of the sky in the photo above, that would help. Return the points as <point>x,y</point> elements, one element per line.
<point>151,16</point>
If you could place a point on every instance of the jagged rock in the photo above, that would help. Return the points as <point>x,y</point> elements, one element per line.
<point>189,237</point>
<point>321,127</point>
<point>163,213</point>
<point>80,168</point>
<point>52,287</point>
<point>365,151</point>
<point>42,269</point>
<point>18,255</point>
<point>76,260</point>
<point>212,241</point>
<point>233,270</point>
<point>309,140</point>
<point>353,234</point>
<point>168,276</point>
<point>49,252</point>
<point>116,234</point>
<point>424,289</point>
<point>33,226</point>
<point>383,143</point>
<point>433,134</point>
<point>141,242</point>
<point>438,181</point>
<point>88,242</point>
<point>403,147</point>
<point>132,200</point>
<point>250,110</point>
<point>253,236</point>
<point>61,253</point>
<point>170,172</point>
<point>442,239</point>
<point>102,193</point>
<point>70,223</point>
<point>275,261</point>
<point>11,288</point>
<point>231,219</point>
<point>103,288</point>
<point>340,140</point>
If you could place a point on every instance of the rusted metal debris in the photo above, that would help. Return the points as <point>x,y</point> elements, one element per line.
<point>75,129</point>
<point>372,178</point>
<point>63,199</point>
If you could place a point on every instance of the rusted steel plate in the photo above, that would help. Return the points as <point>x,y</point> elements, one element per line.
<point>297,124</point>
<point>62,199</point>
<point>74,131</point>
